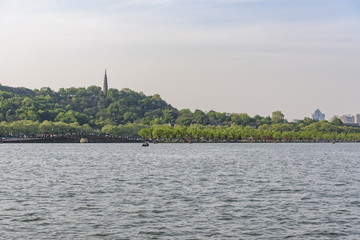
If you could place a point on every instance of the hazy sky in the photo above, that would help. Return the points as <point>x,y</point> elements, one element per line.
<point>253,56</point>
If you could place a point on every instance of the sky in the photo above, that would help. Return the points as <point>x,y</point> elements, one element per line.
<point>234,56</point>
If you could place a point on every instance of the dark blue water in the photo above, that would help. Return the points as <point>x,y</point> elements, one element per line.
<point>180,191</point>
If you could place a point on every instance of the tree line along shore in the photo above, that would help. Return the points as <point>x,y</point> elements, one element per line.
<point>322,131</point>
<point>26,113</point>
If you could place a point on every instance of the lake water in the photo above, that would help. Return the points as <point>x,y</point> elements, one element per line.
<point>180,191</point>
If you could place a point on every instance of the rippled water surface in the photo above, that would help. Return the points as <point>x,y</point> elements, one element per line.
<point>180,191</point>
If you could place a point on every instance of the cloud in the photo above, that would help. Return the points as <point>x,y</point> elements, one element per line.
<point>228,48</point>
<point>157,28</point>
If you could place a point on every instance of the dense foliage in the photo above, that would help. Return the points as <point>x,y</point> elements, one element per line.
<point>315,131</point>
<point>90,106</point>
<point>82,106</point>
<point>126,113</point>
<point>35,129</point>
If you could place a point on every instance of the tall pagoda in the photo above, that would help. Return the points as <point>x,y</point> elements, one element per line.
<point>105,86</point>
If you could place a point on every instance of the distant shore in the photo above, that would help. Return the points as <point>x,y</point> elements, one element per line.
<point>72,139</point>
<point>112,139</point>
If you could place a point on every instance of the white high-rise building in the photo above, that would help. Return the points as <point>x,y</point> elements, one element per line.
<point>347,118</point>
<point>357,118</point>
<point>317,115</point>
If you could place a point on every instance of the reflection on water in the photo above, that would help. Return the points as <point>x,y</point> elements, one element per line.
<point>180,191</point>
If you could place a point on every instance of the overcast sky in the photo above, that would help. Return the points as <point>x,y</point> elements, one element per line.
<point>244,56</point>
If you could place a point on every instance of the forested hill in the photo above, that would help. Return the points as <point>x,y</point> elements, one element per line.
<point>91,106</point>
<point>17,91</point>
<point>119,107</point>
<point>83,106</point>
<point>126,113</point>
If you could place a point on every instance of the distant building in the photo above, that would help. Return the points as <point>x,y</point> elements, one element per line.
<point>105,86</point>
<point>333,117</point>
<point>317,115</point>
<point>347,119</point>
<point>357,118</point>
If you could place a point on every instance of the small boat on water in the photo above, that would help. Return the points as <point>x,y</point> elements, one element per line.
<point>145,144</point>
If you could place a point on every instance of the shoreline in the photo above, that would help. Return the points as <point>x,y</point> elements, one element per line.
<point>72,139</point>
<point>111,139</point>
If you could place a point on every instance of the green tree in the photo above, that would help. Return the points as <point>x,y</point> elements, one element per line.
<point>337,122</point>
<point>46,127</point>
<point>200,117</point>
<point>277,117</point>
<point>185,117</point>
<point>169,115</point>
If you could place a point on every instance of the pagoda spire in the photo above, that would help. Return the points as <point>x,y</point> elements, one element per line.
<point>105,86</point>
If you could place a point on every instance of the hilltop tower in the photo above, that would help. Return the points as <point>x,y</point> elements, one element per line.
<point>105,86</point>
